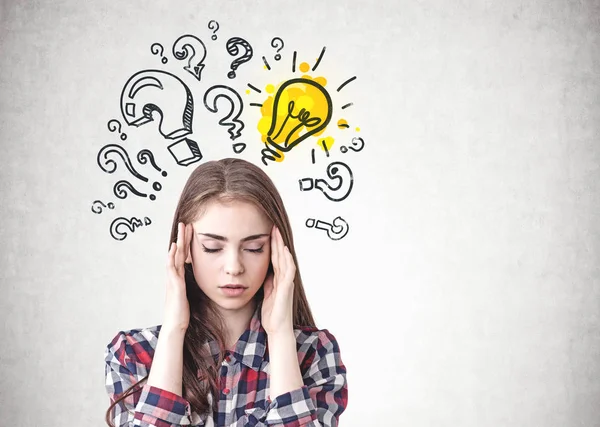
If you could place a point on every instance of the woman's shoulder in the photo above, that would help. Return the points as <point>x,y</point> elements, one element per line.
<point>133,345</point>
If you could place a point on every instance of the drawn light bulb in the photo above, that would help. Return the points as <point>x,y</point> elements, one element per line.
<point>301,108</point>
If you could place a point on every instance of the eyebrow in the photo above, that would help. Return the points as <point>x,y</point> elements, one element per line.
<point>224,239</point>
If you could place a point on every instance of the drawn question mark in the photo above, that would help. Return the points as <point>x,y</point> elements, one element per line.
<point>146,155</point>
<point>148,91</point>
<point>213,25</point>
<point>233,48</point>
<point>98,204</point>
<point>195,48</point>
<point>361,145</point>
<point>231,119</point>
<point>131,224</point>
<point>275,45</point>
<point>110,166</point>
<point>155,51</point>
<point>336,192</point>
<point>335,231</point>
<point>115,123</point>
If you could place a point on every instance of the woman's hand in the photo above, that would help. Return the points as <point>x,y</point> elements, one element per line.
<point>177,307</point>
<point>277,308</point>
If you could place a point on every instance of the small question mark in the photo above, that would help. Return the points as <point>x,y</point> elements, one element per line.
<point>233,48</point>
<point>146,155</point>
<point>109,166</point>
<point>114,123</point>
<point>344,149</point>
<point>213,25</point>
<point>155,51</point>
<point>335,231</point>
<point>275,45</point>
<point>131,224</point>
<point>333,169</point>
<point>98,209</point>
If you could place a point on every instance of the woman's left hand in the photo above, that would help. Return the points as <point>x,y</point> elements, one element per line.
<point>277,308</point>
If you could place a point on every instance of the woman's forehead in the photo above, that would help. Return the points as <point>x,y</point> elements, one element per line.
<point>230,217</point>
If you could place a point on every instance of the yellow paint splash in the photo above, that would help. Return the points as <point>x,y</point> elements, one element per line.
<point>328,143</point>
<point>304,67</point>
<point>342,124</point>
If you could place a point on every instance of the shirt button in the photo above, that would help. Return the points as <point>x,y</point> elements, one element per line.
<point>226,391</point>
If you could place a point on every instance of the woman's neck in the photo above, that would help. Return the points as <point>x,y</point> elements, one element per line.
<point>236,322</point>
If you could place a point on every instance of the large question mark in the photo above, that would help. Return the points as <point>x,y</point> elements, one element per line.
<point>152,90</point>
<point>233,47</point>
<point>336,230</point>
<point>331,191</point>
<point>275,45</point>
<point>131,224</point>
<point>213,25</point>
<point>109,166</point>
<point>360,144</point>
<point>155,51</point>
<point>112,126</point>
<point>192,46</point>
<point>231,119</point>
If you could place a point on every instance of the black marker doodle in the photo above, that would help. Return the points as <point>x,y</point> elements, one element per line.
<point>109,166</point>
<point>233,48</point>
<point>192,46</point>
<point>319,59</point>
<point>113,128</point>
<point>275,44</point>
<point>131,224</point>
<point>213,25</point>
<point>344,149</point>
<point>152,90</point>
<point>345,83</point>
<point>158,49</point>
<point>324,145</point>
<point>231,119</point>
<point>121,186</point>
<point>146,155</point>
<point>336,192</point>
<point>97,206</point>
<point>336,230</point>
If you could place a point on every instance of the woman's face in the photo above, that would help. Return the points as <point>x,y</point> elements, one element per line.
<point>231,246</point>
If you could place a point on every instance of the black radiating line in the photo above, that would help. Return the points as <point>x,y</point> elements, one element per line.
<point>345,83</point>
<point>343,125</point>
<point>313,156</point>
<point>347,105</point>
<point>255,105</point>
<point>294,63</point>
<point>325,147</point>
<point>266,63</point>
<point>258,90</point>
<point>319,60</point>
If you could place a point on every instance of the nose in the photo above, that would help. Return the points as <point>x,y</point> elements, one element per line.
<point>233,264</point>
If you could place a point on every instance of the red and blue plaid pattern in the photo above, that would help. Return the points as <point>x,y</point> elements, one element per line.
<point>244,398</point>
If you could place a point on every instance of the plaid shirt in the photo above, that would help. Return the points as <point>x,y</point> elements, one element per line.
<point>244,398</point>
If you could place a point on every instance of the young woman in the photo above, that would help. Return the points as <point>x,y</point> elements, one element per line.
<point>238,345</point>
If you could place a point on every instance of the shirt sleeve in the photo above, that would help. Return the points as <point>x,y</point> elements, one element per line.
<point>318,403</point>
<point>148,406</point>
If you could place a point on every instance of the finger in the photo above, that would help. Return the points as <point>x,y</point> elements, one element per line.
<point>180,245</point>
<point>171,256</point>
<point>274,250</point>
<point>281,252</point>
<point>188,242</point>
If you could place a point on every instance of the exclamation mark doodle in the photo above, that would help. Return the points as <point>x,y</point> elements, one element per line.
<point>143,157</point>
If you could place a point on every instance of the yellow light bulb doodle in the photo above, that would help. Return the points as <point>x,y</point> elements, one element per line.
<point>301,108</point>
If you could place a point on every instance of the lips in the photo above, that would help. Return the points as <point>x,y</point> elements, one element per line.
<point>234,286</point>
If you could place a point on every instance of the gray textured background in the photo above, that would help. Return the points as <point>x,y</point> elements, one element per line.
<point>467,292</point>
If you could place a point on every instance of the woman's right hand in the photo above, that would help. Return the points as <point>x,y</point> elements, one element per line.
<point>177,306</point>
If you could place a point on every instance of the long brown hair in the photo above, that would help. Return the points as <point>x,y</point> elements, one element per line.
<point>223,180</point>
